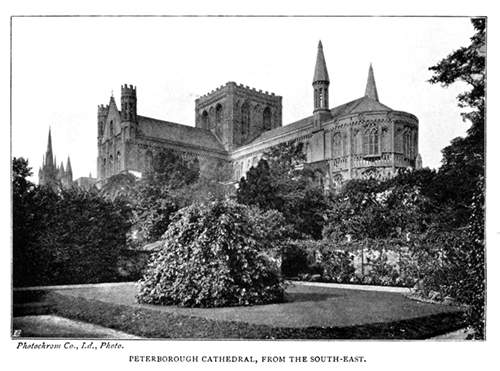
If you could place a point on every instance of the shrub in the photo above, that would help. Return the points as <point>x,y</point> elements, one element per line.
<point>376,262</point>
<point>304,258</point>
<point>294,260</point>
<point>337,265</point>
<point>74,236</point>
<point>214,255</point>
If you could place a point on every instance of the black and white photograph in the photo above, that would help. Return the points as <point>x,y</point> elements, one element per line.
<point>253,179</point>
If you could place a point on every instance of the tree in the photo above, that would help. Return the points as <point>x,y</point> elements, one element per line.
<point>463,159</point>
<point>20,172</point>
<point>121,185</point>
<point>357,210</point>
<point>213,184</point>
<point>24,218</point>
<point>462,170</point>
<point>282,182</point>
<point>258,188</point>
<point>156,201</point>
<point>66,235</point>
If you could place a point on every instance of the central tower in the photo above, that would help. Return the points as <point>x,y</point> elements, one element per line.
<point>238,114</point>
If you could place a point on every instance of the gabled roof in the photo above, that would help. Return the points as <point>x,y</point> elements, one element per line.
<point>197,137</point>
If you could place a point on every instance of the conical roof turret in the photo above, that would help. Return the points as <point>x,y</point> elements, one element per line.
<point>371,88</point>
<point>320,71</point>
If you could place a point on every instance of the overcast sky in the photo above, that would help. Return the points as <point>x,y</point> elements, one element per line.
<point>62,68</point>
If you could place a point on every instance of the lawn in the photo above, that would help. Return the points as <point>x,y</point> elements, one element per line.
<point>309,313</point>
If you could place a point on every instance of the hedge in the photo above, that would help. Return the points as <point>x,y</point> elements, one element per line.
<point>375,262</point>
<point>67,236</point>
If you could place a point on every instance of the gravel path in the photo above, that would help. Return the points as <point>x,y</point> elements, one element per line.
<point>59,327</point>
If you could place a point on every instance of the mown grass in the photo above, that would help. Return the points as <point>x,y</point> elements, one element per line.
<point>171,322</point>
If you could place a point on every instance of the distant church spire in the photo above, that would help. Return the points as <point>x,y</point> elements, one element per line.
<point>68,166</point>
<point>320,71</point>
<point>49,159</point>
<point>69,172</point>
<point>371,88</point>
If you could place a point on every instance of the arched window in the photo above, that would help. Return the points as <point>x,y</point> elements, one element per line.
<point>111,129</point>
<point>101,129</point>
<point>336,145</point>
<point>407,143</point>
<point>245,120</point>
<point>385,140</point>
<point>103,167</point>
<point>308,152</point>
<point>371,142</point>
<point>398,141</point>
<point>211,120</point>
<point>218,114</point>
<point>148,160</point>
<point>218,119</point>
<point>204,120</point>
<point>110,166</point>
<point>357,142</point>
<point>344,144</point>
<point>266,118</point>
<point>118,156</point>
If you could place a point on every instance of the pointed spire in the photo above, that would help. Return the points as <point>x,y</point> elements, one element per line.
<point>68,166</point>
<point>69,171</point>
<point>49,159</point>
<point>320,71</point>
<point>112,100</point>
<point>371,88</point>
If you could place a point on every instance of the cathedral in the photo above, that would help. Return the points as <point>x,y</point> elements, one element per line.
<point>56,177</point>
<point>52,175</point>
<point>237,124</point>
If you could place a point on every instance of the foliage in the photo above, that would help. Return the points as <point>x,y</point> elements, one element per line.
<point>466,64</point>
<point>213,255</point>
<point>24,218</point>
<point>20,172</point>
<point>357,210</point>
<point>121,185</point>
<point>452,264</point>
<point>388,262</point>
<point>476,267</point>
<point>156,201</point>
<point>66,236</point>
<point>463,159</point>
<point>213,184</point>
<point>462,177</point>
<point>306,258</point>
<point>281,182</point>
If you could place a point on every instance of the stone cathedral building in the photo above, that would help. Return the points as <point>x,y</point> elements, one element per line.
<point>237,124</point>
<point>49,174</point>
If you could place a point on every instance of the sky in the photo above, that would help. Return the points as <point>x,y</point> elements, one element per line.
<point>62,68</point>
